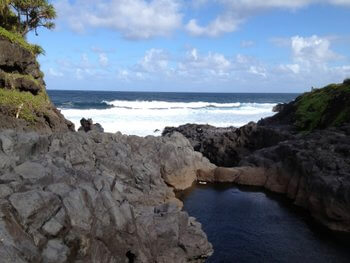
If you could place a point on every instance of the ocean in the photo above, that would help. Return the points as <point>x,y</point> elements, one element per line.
<point>147,113</point>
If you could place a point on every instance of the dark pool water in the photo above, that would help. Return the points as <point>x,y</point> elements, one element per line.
<point>245,225</point>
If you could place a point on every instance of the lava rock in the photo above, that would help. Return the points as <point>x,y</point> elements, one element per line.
<point>88,125</point>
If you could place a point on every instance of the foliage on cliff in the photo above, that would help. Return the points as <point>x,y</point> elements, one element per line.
<point>322,108</point>
<point>24,104</point>
<point>19,40</point>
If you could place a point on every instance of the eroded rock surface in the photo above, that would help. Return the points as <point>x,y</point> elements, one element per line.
<point>227,146</point>
<point>95,197</point>
<point>313,168</point>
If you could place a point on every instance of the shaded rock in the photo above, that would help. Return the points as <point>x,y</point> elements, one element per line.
<point>227,146</point>
<point>88,125</point>
<point>279,107</point>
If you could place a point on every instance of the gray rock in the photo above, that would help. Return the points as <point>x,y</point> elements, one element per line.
<point>35,207</point>
<point>31,170</point>
<point>6,144</point>
<point>5,191</point>
<point>77,207</point>
<point>55,224</point>
<point>55,252</point>
<point>102,194</point>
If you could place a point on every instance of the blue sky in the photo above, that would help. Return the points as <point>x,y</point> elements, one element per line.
<point>197,45</point>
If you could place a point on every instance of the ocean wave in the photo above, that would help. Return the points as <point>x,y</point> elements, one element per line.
<point>141,118</point>
<point>166,105</point>
<point>84,105</point>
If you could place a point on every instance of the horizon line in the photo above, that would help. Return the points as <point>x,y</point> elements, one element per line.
<point>199,92</point>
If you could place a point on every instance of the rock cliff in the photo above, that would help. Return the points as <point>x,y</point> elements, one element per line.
<point>24,103</point>
<point>96,197</point>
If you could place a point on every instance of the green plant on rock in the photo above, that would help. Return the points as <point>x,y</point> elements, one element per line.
<point>19,40</point>
<point>24,104</point>
<point>324,107</point>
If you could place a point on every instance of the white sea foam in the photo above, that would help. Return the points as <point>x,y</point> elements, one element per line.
<point>141,104</point>
<point>144,117</point>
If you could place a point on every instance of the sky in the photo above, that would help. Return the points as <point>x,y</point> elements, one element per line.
<point>196,45</point>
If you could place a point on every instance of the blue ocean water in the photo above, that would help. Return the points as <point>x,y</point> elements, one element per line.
<point>141,113</point>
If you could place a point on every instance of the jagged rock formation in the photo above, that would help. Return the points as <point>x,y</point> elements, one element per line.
<point>227,146</point>
<point>96,197</point>
<point>24,104</point>
<point>303,151</point>
<point>313,171</point>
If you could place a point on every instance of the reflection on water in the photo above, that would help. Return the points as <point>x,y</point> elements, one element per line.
<point>246,225</point>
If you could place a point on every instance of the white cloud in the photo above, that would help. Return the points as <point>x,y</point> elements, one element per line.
<point>134,19</point>
<point>193,67</point>
<point>236,12</point>
<point>312,49</point>
<point>257,71</point>
<point>294,68</point>
<point>222,24</point>
<point>201,67</point>
<point>103,59</point>
<point>247,43</point>
<point>155,60</point>
<point>55,73</point>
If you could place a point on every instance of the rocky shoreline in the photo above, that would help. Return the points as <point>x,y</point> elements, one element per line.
<point>90,196</point>
<point>97,197</point>
<point>87,196</point>
<point>310,167</point>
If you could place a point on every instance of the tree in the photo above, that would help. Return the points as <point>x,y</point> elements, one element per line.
<point>8,19</point>
<point>30,14</point>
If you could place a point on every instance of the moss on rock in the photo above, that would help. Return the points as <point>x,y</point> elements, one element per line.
<point>322,108</point>
<point>25,104</point>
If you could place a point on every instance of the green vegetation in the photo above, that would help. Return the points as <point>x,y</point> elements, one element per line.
<point>14,76</point>
<point>18,17</point>
<point>24,103</point>
<point>19,40</point>
<point>321,108</point>
<point>23,16</point>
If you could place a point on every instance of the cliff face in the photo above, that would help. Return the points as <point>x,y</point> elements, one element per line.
<point>95,197</point>
<point>303,151</point>
<point>24,104</point>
